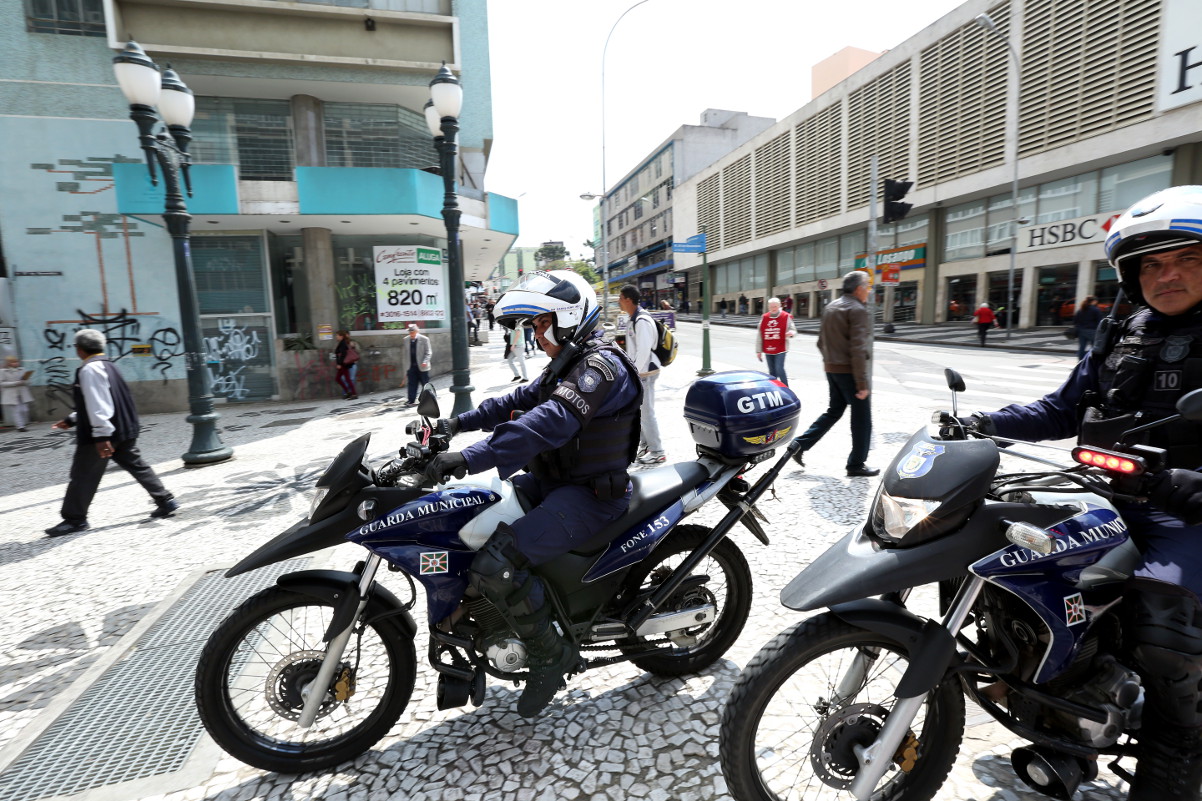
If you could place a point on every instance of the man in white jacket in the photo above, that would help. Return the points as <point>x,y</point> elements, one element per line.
<point>641,336</point>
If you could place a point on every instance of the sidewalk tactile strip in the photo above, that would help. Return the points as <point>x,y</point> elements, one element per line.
<point>138,720</point>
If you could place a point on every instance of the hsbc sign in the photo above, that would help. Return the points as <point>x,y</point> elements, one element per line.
<point>1062,233</point>
<point>1179,62</point>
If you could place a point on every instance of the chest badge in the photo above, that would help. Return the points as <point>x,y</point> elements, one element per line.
<point>1175,348</point>
<point>919,461</point>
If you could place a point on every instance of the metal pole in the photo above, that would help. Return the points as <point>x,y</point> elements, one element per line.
<point>705,312</point>
<point>207,447</point>
<point>1014,188</point>
<point>604,175</point>
<point>461,387</point>
<point>870,258</point>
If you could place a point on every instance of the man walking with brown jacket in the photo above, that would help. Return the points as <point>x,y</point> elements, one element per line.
<point>845,340</point>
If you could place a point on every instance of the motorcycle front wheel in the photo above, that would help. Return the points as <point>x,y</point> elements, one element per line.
<point>255,671</point>
<point>814,693</point>
<point>728,589</point>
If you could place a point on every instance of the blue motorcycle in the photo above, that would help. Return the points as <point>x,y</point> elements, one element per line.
<point>866,700</point>
<point>312,672</point>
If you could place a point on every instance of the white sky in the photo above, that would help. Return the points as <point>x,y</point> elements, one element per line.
<point>668,61</point>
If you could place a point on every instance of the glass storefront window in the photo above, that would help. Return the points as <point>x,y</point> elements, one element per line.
<point>850,246</point>
<point>786,266</point>
<point>965,231</point>
<point>1123,185</point>
<point>759,272</point>
<point>229,274</point>
<point>826,258</point>
<point>1000,232</point>
<point>355,282</point>
<point>1068,199</point>
<point>1106,288</point>
<point>999,290</point>
<point>1056,295</point>
<point>911,231</point>
<point>961,297</point>
<point>805,262</point>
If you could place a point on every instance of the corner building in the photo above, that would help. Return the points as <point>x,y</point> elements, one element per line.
<point>1110,111</point>
<point>310,151</point>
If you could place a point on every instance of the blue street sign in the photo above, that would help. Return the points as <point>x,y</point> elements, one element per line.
<point>694,244</point>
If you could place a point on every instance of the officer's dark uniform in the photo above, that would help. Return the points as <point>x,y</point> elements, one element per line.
<point>577,438</point>
<point>1155,360</point>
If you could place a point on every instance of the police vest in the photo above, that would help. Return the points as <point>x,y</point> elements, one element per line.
<point>604,447</point>
<point>1155,360</point>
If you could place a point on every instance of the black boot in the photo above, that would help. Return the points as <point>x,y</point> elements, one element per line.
<point>1170,763</point>
<point>549,659</point>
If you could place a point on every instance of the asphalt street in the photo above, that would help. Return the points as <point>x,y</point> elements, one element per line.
<point>75,610</point>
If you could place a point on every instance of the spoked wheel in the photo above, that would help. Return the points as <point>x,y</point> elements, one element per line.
<point>813,694</point>
<point>258,667</point>
<point>728,589</point>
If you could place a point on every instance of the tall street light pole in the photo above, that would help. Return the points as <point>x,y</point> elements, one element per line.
<point>154,99</point>
<point>604,174</point>
<point>442,118</point>
<point>986,22</point>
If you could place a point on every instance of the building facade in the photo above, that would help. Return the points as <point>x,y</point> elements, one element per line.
<point>1110,111</point>
<point>312,165</point>
<point>638,226</point>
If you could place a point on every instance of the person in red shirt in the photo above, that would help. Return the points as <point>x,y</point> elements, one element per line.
<point>776,327</point>
<point>985,320</point>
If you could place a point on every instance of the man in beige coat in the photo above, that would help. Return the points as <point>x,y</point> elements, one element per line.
<point>845,342</point>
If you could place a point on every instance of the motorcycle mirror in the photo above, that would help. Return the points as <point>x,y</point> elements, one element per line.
<point>427,404</point>
<point>954,382</point>
<point>1189,406</point>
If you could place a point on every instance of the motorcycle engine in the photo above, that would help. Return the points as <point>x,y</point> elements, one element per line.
<point>507,655</point>
<point>1109,687</point>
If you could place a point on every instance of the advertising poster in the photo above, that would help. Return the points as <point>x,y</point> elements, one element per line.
<point>411,284</point>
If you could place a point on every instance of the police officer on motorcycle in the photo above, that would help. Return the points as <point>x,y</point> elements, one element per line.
<point>577,436</point>
<point>1135,374</point>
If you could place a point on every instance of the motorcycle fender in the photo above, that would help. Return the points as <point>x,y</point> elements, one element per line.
<point>341,588</point>
<point>302,538</point>
<point>930,646</point>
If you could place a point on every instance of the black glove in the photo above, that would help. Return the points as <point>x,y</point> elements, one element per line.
<point>447,426</point>
<point>979,422</point>
<point>1178,492</point>
<point>444,465</point>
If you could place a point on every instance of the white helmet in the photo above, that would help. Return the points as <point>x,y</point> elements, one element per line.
<point>1166,220</point>
<point>560,292</point>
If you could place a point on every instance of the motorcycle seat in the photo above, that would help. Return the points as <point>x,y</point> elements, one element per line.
<point>1116,565</point>
<point>653,491</point>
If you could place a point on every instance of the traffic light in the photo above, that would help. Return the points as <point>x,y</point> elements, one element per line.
<point>894,209</point>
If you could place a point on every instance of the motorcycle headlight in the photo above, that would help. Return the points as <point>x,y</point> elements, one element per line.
<point>319,495</point>
<point>900,515</point>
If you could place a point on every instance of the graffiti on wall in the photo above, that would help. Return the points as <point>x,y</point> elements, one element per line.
<point>239,362</point>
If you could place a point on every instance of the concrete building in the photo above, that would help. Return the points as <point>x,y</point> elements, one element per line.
<point>638,207</point>
<point>311,157</point>
<point>836,68</point>
<point>1111,104</point>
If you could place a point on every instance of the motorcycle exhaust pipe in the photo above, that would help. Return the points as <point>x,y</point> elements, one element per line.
<point>1050,772</point>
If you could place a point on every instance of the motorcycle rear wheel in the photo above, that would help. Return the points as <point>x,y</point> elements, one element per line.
<point>729,588</point>
<point>784,738</point>
<point>254,667</point>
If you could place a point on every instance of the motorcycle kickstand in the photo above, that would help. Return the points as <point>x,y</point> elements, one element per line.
<point>314,692</point>
<point>876,758</point>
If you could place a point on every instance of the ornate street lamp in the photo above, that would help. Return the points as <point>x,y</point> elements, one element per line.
<point>442,118</point>
<point>154,99</point>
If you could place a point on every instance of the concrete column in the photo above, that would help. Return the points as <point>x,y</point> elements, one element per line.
<point>319,273</point>
<point>1085,280</point>
<point>308,131</point>
<point>1187,164</point>
<point>926,310</point>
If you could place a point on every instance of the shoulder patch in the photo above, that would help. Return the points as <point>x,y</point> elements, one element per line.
<point>589,380</point>
<point>601,364</point>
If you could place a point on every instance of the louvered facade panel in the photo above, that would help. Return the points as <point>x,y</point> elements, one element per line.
<point>709,211</point>
<point>736,202</point>
<point>878,122</point>
<point>817,141</point>
<point>962,100</point>
<point>1088,68</point>
<point>773,183</point>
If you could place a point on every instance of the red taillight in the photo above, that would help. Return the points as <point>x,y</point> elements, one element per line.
<point>1114,462</point>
